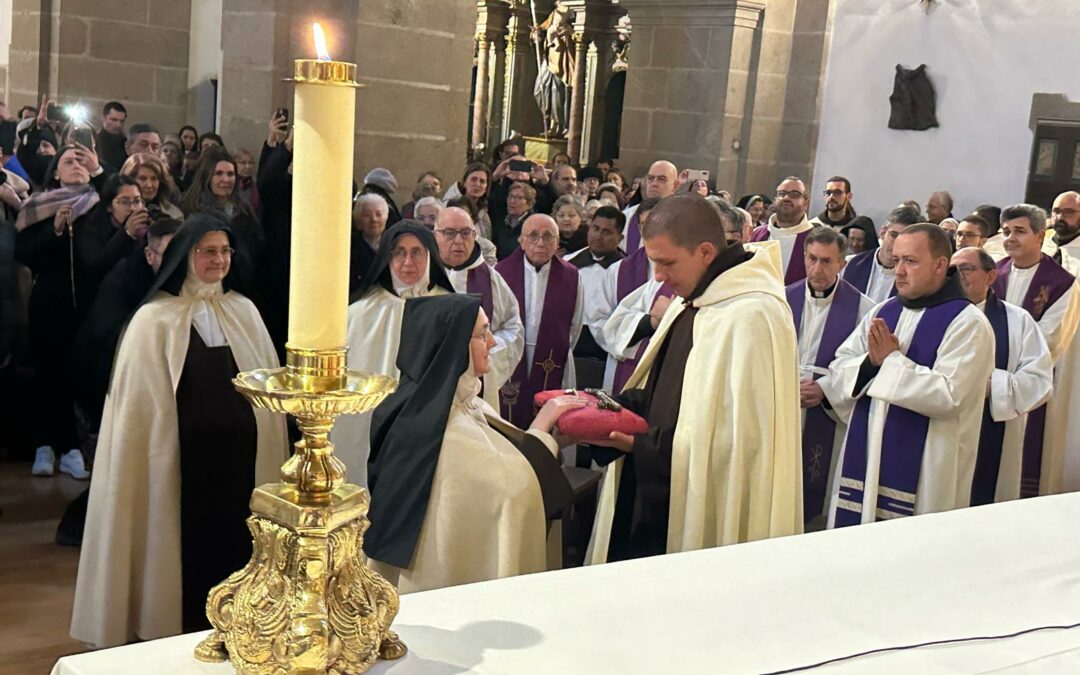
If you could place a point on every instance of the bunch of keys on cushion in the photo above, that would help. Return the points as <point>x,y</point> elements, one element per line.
<point>603,400</point>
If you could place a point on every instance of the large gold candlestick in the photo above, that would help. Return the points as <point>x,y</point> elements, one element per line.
<point>307,602</point>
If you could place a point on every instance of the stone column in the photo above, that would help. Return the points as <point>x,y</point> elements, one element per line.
<point>683,100</point>
<point>496,91</point>
<point>577,98</point>
<point>479,119</point>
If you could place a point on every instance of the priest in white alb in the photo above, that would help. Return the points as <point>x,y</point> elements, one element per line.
<point>456,235</point>
<point>1030,278</point>
<point>916,368</point>
<point>1064,427</point>
<point>826,310</point>
<point>406,266</point>
<point>1022,380</point>
<point>873,272</point>
<point>718,387</point>
<point>789,227</point>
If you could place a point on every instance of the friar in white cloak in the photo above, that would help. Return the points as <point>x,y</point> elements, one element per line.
<point>180,450</point>
<point>718,386</point>
<point>406,266</point>
<point>549,295</point>
<point>457,494</point>
<point>1022,380</point>
<point>456,235</point>
<point>916,369</point>
<point>826,310</point>
<point>1030,278</point>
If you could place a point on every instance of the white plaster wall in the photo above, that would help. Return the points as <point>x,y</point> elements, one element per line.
<point>986,58</point>
<point>204,63</point>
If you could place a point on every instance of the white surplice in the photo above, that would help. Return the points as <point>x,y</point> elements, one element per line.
<point>811,329</point>
<point>506,328</point>
<point>629,212</point>
<point>786,237</point>
<point>374,337</point>
<point>620,328</point>
<point>596,308</point>
<point>1023,387</point>
<point>951,394</point>
<point>536,284</point>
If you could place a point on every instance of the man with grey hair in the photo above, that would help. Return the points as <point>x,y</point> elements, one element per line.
<point>873,272</point>
<point>826,310</point>
<point>143,138</point>
<point>1022,380</point>
<point>717,386</point>
<point>1031,279</point>
<point>939,207</point>
<point>456,236</point>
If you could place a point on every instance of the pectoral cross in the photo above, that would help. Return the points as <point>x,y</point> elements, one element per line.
<point>549,366</point>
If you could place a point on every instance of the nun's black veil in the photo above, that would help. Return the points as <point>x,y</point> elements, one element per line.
<point>174,267</point>
<point>379,272</point>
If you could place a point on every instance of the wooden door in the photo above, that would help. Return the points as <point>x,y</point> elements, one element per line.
<point>1055,162</point>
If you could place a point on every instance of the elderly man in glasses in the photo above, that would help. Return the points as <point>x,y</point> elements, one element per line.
<point>789,227</point>
<point>549,295</point>
<point>456,236</point>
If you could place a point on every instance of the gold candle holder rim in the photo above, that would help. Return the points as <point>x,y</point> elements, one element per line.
<point>331,73</point>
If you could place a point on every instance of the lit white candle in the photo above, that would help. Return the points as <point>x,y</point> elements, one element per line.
<point>324,119</point>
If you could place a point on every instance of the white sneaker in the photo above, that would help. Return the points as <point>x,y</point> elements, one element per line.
<point>71,463</point>
<point>44,461</point>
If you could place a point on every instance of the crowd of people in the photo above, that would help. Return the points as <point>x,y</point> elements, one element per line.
<point>836,371</point>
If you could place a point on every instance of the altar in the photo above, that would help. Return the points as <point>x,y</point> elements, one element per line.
<point>754,608</point>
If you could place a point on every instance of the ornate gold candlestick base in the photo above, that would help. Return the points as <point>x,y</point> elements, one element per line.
<point>306,602</point>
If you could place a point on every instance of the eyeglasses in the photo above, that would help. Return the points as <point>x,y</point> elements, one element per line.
<point>961,235</point>
<point>546,237</point>
<point>789,194</point>
<point>128,202</point>
<point>451,235</point>
<point>213,252</point>
<point>829,193</point>
<point>415,255</point>
<point>517,196</point>
<point>1064,213</point>
<point>968,269</point>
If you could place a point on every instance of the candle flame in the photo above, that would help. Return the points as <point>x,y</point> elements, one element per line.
<point>320,42</point>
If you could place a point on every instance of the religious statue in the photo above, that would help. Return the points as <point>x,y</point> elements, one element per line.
<point>556,70</point>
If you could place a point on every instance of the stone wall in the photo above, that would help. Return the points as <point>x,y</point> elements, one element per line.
<point>413,56</point>
<point>93,51</point>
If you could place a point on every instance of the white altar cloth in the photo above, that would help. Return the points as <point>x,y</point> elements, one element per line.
<point>752,608</point>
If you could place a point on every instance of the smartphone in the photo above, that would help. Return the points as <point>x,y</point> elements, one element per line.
<point>283,113</point>
<point>697,174</point>
<point>521,165</point>
<point>55,113</point>
<point>83,135</point>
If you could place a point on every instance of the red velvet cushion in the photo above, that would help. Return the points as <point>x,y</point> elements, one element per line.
<point>590,422</point>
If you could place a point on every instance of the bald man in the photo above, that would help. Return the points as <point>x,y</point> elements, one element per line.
<point>915,370</point>
<point>718,386</point>
<point>789,227</point>
<point>660,182</point>
<point>456,236</point>
<point>550,300</point>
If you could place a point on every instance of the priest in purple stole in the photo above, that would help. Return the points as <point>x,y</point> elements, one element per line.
<point>1032,280</point>
<point>549,297</point>
<point>826,310</point>
<point>916,370</point>
<point>456,235</point>
<point>1022,381</point>
<point>789,227</point>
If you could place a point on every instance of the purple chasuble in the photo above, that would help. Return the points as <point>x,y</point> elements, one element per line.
<point>820,429</point>
<point>478,282</point>
<point>903,440</point>
<point>633,233</point>
<point>552,339</point>
<point>992,434</point>
<point>857,272</point>
<point>796,267</point>
<point>625,369</point>
<point>633,273</point>
<point>1050,282</point>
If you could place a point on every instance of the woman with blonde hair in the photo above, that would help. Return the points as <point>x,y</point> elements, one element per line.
<point>155,184</point>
